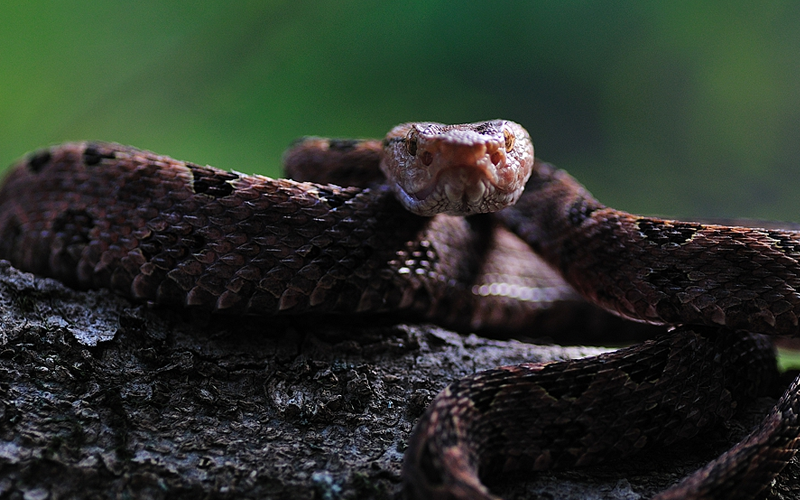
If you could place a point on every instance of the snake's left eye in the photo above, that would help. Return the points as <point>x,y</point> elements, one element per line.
<point>411,143</point>
<point>509,136</point>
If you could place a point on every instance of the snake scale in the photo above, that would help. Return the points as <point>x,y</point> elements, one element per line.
<point>179,234</point>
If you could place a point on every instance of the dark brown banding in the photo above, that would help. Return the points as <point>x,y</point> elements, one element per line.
<point>580,210</point>
<point>213,183</point>
<point>661,233</point>
<point>92,155</point>
<point>343,145</point>
<point>38,160</point>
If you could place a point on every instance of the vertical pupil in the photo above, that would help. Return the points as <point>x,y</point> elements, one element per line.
<point>411,145</point>
<point>509,137</point>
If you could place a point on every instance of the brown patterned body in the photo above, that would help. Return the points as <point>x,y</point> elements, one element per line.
<point>175,233</point>
<point>180,234</point>
<point>718,281</point>
<point>660,271</point>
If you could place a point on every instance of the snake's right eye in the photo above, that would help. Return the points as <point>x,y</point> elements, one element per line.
<point>509,138</point>
<point>411,143</point>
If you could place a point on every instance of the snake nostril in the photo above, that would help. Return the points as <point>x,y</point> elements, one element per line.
<point>427,158</point>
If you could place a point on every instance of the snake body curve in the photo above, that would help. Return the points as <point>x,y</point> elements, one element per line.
<point>175,233</point>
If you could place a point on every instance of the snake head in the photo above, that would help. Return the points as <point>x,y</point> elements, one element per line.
<point>457,169</point>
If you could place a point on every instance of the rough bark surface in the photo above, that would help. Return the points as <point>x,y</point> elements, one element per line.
<point>102,398</point>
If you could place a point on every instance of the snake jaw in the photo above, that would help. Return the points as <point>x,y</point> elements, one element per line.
<point>457,169</point>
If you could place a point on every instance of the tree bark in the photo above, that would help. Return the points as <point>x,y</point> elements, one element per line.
<point>103,398</point>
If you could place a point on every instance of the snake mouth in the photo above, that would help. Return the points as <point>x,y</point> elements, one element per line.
<point>462,188</point>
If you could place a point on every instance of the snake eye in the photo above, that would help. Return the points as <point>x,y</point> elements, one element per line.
<point>509,136</point>
<point>411,143</point>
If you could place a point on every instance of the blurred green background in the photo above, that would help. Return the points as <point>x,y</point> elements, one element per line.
<point>676,108</point>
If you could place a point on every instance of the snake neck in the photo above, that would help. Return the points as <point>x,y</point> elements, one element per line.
<point>552,211</point>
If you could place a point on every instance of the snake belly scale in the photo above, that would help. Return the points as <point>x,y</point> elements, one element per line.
<point>179,234</point>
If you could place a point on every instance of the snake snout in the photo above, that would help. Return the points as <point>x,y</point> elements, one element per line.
<point>478,162</point>
<point>458,170</point>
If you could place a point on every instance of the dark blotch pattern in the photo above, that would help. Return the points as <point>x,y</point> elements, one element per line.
<point>333,200</point>
<point>669,278</point>
<point>486,128</point>
<point>580,210</point>
<point>661,233</point>
<point>72,230</point>
<point>552,381</point>
<point>211,182</point>
<point>74,224</point>
<point>785,243</point>
<point>12,236</point>
<point>343,145</point>
<point>648,370</point>
<point>39,160</point>
<point>93,156</point>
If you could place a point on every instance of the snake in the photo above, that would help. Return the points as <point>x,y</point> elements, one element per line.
<point>459,225</point>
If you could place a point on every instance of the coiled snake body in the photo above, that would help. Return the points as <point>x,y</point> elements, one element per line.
<point>175,233</point>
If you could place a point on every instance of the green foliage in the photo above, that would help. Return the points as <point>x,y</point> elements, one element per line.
<point>788,360</point>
